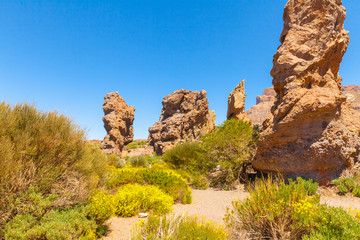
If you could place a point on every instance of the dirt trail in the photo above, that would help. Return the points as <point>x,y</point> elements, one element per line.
<point>212,204</point>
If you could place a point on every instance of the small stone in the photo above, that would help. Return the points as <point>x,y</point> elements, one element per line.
<point>143,215</point>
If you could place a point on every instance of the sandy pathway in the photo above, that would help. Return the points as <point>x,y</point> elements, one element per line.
<point>208,203</point>
<point>212,204</point>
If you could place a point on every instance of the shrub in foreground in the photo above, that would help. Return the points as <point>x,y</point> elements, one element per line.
<point>177,227</point>
<point>47,151</point>
<point>129,200</point>
<point>38,219</point>
<point>276,210</point>
<point>168,181</point>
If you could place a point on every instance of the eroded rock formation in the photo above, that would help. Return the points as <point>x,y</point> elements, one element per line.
<point>352,92</point>
<point>236,102</point>
<point>313,131</point>
<point>185,116</point>
<point>261,111</point>
<point>118,120</point>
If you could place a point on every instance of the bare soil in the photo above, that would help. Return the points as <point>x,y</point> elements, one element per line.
<point>212,205</point>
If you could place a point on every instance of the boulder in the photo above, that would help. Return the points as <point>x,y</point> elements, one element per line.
<point>118,121</point>
<point>258,113</point>
<point>185,116</point>
<point>313,131</point>
<point>236,102</point>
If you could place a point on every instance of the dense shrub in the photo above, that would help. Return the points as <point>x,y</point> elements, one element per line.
<point>231,146</point>
<point>46,151</point>
<point>177,227</point>
<point>139,161</point>
<point>275,210</point>
<point>346,185</point>
<point>128,201</point>
<point>37,219</point>
<point>168,181</point>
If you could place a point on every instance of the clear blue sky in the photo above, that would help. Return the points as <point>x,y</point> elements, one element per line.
<point>66,55</point>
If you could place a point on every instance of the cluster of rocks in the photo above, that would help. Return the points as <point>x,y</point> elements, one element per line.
<point>311,124</point>
<point>185,116</point>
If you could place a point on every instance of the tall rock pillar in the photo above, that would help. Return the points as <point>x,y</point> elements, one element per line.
<point>313,131</point>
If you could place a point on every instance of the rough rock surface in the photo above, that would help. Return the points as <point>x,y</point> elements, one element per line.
<point>353,95</point>
<point>261,111</point>
<point>314,131</point>
<point>258,113</point>
<point>185,116</point>
<point>118,120</point>
<point>236,102</point>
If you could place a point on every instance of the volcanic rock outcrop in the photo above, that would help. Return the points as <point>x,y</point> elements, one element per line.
<point>185,116</point>
<point>313,131</point>
<point>261,111</point>
<point>353,95</point>
<point>236,102</point>
<point>118,120</point>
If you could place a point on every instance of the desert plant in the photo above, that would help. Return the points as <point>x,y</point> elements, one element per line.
<point>177,227</point>
<point>269,210</point>
<point>232,146</point>
<point>46,151</point>
<point>167,180</point>
<point>37,218</point>
<point>139,161</point>
<point>128,201</point>
<point>276,210</point>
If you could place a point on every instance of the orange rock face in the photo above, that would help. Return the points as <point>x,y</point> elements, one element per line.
<point>236,102</point>
<point>118,120</point>
<point>185,116</point>
<point>313,131</point>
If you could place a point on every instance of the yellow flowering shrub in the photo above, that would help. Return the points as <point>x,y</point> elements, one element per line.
<point>167,180</point>
<point>102,206</point>
<point>132,198</point>
<point>128,201</point>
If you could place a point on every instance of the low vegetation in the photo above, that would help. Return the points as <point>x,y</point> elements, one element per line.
<point>348,185</point>
<point>229,148</point>
<point>129,200</point>
<point>167,180</point>
<point>137,144</point>
<point>177,227</point>
<point>276,210</point>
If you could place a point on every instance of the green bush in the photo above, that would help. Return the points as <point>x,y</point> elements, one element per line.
<point>128,201</point>
<point>177,228</point>
<point>168,181</point>
<point>232,146</point>
<point>139,161</point>
<point>333,223</point>
<point>36,218</point>
<point>275,210</point>
<point>187,156</point>
<point>345,185</point>
<point>46,151</point>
